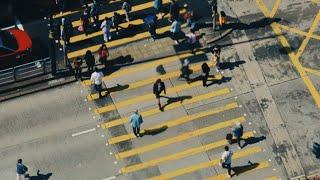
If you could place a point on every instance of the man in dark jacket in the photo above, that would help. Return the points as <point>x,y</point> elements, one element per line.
<point>173,10</point>
<point>21,170</point>
<point>158,87</point>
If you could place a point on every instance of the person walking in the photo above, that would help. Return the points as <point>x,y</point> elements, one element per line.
<point>190,20</point>
<point>151,22</point>
<point>205,74</point>
<point>116,21</point>
<point>191,40</point>
<point>126,6</point>
<point>90,61</point>
<point>136,121</point>
<point>157,4</point>
<point>175,30</point>
<point>173,10</point>
<point>85,19</point>
<point>96,79</point>
<point>21,170</point>
<point>78,69</point>
<point>95,10</point>
<point>60,4</point>
<point>215,52</point>
<point>158,87</point>
<point>103,54</point>
<point>185,71</point>
<point>238,132</point>
<point>225,161</point>
<point>106,26</point>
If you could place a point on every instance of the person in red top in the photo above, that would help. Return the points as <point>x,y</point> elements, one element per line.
<point>103,54</point>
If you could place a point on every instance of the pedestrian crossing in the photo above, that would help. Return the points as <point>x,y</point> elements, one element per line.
<point>201,114</point>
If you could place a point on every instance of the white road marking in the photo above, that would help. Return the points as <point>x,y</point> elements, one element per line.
<point>9,27</point>
<point>19,25</point>
<point>102,135</point>
<point>109,178</point>
<point>83,132</point>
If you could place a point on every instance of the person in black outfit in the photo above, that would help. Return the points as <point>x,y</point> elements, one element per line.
<point>78,69</point>
<point>85,18</point>
<point>90,61</point>
<point>173,10</point>
<point>158,87</point>
<point>116,21</point>
<point>205,74</point>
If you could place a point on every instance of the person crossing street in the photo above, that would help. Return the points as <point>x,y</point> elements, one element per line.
<point>96,79</point>
<point>225,161</point>
<point>158,87</point>
<point>136,121</point>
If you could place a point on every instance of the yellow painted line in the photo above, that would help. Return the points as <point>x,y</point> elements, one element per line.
<point>146,97</point>
<point>297,31</point>
<point>295,61</point>
<point>261,165</point>
<point>142,67</point>
<point>312,71</point>
<point>121,12</point>
<point>272,178</point>
<point>179,138</point>
<point>179,155</point>
<point>81,37</point>
<point>275,8</point>
<point>305,42</point>
<point>204,165</point>
<point>118,42</point>
<point>76,11</point>
<point>168,107</point>
<point>152,80</point>
<point>176,122</point>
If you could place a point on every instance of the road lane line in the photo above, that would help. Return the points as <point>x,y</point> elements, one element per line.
<point>224,176</point>
<point>179,155</point>
<point>174,105</point>
<point>110,178</point>
<point>175,122</point>
<point>83,132</point>
<point>152,80</point>
<point>135,8</point>
<point>141,67</point>
<point>118,42</point>
<point>297,31</point>
<point>312,71</point>
<point>193,168</point>
<point>179,138</point>
<point>137,99</point>
<point>275,8</point>
<point>305,42</point>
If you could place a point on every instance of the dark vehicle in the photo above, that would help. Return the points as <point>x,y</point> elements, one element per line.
<point>15,45</point>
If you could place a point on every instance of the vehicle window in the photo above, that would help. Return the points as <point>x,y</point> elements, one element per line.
<point>8,41</point>
<point>4,51</point>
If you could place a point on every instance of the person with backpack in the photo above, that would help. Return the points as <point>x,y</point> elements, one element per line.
<point>225,161</point>
<point>106,26</point>
<point>205,74</point>
<point>126,6</point>
<point>21,170</point>
<point>116,21</point>
<point>158,87</point>
<point>136,121</point>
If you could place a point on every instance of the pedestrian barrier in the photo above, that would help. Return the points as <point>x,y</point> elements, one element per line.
<point>25,71</point>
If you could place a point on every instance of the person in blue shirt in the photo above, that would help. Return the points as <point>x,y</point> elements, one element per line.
<point>136,121</point>
<point>238,132</point>
<point>21,170</point>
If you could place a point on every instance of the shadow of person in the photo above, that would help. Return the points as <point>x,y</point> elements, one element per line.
<point>316,150</point>
<point>155,131</point>
<point>253,140</point>
<point>230,65</point>
<point>242,169</point>
<point>175,99</point>
<point>117,88</point>
<point>219,81</point>
<point>40,176</point>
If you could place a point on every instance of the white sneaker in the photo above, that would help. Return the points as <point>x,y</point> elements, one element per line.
<point>176,42</point>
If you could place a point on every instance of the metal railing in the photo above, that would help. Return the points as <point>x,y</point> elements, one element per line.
<point>25,71</point>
